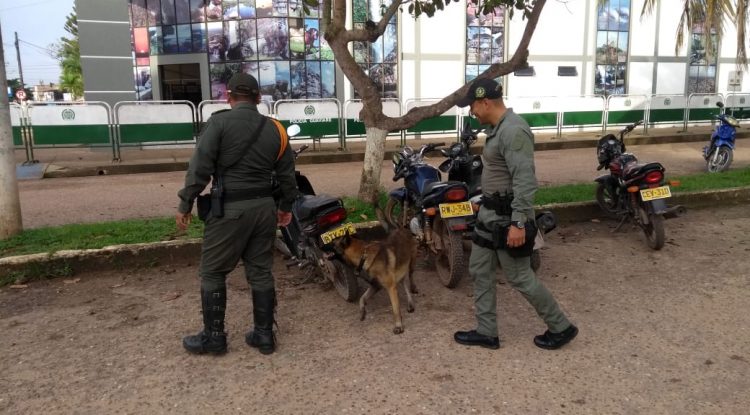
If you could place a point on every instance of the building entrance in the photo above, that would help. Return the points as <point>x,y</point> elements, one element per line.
<point>181,82</point>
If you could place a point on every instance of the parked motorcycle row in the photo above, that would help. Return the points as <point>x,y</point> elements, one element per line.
<point>441,214</point>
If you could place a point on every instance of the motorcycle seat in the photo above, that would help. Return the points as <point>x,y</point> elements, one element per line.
<point>635,169</point>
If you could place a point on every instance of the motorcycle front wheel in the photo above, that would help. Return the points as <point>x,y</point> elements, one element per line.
<point>394,214</point>
<point>654,231</point>
<point>719,160</point>
<point>607,200</point>
<point>449,260</point>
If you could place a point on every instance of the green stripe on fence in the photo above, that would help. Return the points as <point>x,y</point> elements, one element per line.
<point>739,113</point>
<point>582,118</point>
<point>70,134</point>
<point>625,117</point>
<point>439,124</point>
<point>17,138</point>
<point>315,129</point>
<point>703,114</point>
<point>354,127</point>
<point>540,119</point>
<point>666,115</point>
<point>149,133</point>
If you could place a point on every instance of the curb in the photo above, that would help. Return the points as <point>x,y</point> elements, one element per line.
<point>64,263</point>
<point>56,171</point>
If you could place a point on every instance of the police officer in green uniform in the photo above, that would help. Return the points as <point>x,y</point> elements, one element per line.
<point>508,187</point>
<point>248,225</point>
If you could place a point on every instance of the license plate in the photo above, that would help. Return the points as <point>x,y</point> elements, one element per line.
<point>655,193</point>
<point>342,230</point>
<point>452,210</point>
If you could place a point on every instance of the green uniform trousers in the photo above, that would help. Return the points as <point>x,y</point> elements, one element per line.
<point>483,269</point>
<point>246,231</point>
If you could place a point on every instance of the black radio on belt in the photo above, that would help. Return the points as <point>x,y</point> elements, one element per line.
<point>498,202</point>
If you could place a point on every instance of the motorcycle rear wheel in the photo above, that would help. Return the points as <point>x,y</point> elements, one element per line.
<point>607,200</point>
<point>449,260</point>
<point>345,281</point>
<point>722,160</point>
<point>654,231</point>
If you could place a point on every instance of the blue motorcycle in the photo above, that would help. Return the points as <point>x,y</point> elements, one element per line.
<point>435,211</point>
<point>719,152</point>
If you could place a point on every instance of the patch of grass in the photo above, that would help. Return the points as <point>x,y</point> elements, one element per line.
<point>99,235</point>
<point>36,271</point>
<point>95,235</point>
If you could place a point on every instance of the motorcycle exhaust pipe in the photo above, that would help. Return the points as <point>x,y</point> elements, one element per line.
<point>674,212</point>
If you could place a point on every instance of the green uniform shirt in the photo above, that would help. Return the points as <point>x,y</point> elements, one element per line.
<point>220,142</point>
<point>508,159</point>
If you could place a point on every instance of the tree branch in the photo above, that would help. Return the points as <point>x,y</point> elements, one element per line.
<point>372,32</point>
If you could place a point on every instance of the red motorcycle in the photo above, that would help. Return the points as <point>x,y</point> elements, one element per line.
<point>633,190</point>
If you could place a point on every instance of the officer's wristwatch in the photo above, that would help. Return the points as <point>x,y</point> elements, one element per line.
<point>518,224</point>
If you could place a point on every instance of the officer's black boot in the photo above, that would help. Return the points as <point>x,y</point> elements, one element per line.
<point>212,339</point>
<point>262,335</point>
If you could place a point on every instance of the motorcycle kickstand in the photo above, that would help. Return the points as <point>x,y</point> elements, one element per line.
<point>622,222</point>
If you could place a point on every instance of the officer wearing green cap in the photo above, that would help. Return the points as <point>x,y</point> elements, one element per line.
<point>505,229</point>
<point>244,148</point>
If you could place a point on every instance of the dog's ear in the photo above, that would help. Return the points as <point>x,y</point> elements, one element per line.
<point>346,240</point>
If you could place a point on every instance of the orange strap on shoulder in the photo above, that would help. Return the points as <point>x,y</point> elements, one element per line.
<point>284,138</point>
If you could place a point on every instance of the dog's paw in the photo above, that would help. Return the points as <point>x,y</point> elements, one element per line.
<point>410,309</point>
<point>398,330</point>
<point>362,314</point>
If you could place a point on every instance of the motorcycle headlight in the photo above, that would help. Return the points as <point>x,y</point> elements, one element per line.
<point>732,121</point>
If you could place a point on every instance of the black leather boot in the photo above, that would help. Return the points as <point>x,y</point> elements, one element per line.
<point>472,338</point>
<point>262,335</point>
<point>212,338</point>
<point>553,341</point>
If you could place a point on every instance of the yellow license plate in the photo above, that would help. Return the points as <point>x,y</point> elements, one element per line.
<point>452,210</point>
<point>342,230</point>
<point>662,192</point>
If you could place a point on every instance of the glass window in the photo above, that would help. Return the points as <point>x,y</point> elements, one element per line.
<point>613,27</point>
<point>138,13</point>
<point>154,12</point>
<point>167,12</point>
<point>184,38</point>
<point>182,10</point>
<point>703,59</point>
<point>484,39</point>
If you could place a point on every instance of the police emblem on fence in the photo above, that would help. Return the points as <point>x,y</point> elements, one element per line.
<point>68,115</point>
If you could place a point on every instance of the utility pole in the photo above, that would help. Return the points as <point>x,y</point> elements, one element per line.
<point>10,203</point>
<point>18,57</point>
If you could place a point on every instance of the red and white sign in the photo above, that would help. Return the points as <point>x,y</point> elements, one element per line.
<point>21,94</point>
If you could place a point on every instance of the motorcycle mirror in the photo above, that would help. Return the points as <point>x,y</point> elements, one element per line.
<point>396,158</point>
<point>293,130</point>
<point>720,104</point>
<point>445,166</point>
<point>444,152</point>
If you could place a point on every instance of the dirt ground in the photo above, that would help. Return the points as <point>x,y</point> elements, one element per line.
<point>660,332</point>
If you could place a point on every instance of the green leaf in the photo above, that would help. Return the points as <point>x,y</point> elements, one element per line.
<point>411,8</point>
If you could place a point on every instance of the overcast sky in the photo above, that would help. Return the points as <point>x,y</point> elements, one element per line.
<point>38,23</point>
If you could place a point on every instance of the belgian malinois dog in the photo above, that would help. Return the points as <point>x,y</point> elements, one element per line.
<point>385,263</point>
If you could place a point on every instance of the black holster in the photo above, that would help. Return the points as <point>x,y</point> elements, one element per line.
<point>500,203</point>
<point>217,198</point>
<point>500,239</point>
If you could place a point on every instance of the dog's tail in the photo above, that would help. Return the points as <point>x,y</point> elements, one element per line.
<point>382,219</point>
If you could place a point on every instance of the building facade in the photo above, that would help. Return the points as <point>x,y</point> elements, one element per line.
<point>188,49</point>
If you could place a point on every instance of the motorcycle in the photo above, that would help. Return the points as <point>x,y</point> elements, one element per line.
<point>718,154</point>
<point>462,166</point>
<point>633,191</point>
<point>436,212</point>
<point>316,221</point>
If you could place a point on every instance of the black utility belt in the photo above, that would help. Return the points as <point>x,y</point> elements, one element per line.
<point>240,195</point>
<point>499,203</point>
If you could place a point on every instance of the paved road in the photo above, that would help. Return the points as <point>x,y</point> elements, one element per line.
<point>52,202</point>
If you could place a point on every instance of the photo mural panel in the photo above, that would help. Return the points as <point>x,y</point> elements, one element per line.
<point>379,59</point>
<point>272,39</point>
<point>485,39</point>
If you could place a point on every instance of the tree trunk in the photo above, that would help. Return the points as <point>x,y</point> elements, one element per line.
<point>369,184</point>
<point>10,206</point>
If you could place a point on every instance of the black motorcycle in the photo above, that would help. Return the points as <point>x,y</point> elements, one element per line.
<point>463,166</point>
<point>435,211</point>
<point>316,221</point>
<point>632,190</point>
